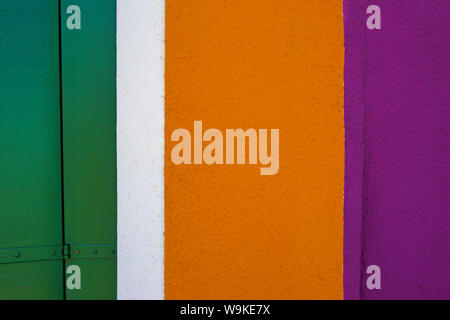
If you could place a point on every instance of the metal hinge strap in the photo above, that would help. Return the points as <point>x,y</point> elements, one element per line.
<point>81,251</point>
<point>92,251</point>
<point>23,254</point>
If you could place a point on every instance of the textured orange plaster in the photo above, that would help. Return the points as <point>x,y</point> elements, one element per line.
<point>231,233</point>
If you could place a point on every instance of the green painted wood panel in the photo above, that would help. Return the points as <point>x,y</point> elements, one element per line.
<point>89,141</point>
<point>30,166</point>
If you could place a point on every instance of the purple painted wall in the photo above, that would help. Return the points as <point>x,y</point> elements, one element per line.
<point>397,108</point>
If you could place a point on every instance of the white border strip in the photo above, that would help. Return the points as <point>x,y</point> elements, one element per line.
<point>140,149</point>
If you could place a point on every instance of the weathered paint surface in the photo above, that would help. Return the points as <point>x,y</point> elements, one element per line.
<point>230,232</point>
<point>396,101</point>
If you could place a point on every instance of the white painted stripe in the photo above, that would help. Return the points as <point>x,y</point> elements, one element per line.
<point>140,149</point>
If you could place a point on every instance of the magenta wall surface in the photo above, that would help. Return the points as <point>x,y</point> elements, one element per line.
<point>397,93</point>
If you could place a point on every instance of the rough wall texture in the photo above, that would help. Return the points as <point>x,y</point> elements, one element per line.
<point>140,149</point>
<point>230,232</point>
<point>396,97</point>
<point>354,25</point>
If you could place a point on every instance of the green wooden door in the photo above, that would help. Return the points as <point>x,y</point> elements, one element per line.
<point>30,151</point>
<point>57,149</point>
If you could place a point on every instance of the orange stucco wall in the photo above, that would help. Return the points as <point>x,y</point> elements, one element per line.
<point>231,233</point>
